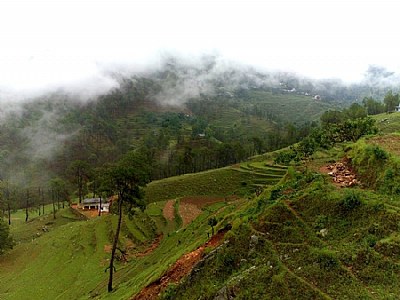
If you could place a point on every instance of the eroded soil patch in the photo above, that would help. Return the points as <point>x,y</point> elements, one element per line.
<point>341,173</point>
<point>188,212</point>
<point>180,269</point>
<point>169,210</point>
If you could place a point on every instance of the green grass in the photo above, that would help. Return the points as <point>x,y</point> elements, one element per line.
<point>222,182</point>
<point>69,260</point>
<point>357,259</point>
<point>288,107</point>
<point>388,123</point>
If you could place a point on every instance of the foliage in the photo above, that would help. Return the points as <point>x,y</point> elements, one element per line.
<point>350,202</point>
<point>391,101</point>
<point>372,106</point>
<point>6,241</point>
<point>212,222</point>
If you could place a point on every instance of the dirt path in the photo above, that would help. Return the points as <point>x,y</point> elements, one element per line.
<point>169,210</point>
<point>180,269</point>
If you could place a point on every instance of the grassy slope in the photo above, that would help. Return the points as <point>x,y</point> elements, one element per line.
<point>358,258</point>
<point>66,262</point>
<point>388,123</point>
<point>240,180</point>
<point>289,107</point>
<point>71,257</point>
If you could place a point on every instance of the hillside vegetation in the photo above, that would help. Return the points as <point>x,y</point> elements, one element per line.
<point>243,201</point>
<point>83,246</point>
<point>306,238</point>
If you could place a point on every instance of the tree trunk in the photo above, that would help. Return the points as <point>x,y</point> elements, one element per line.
<point>39,192</point>
<point>100,207</point>
<point>42,202</point>
<point>26,208</point>
<point>9,213</point>
<point>114,248</point>
<point>54,205</point>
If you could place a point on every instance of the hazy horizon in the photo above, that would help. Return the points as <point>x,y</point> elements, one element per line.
<point>52,44</point>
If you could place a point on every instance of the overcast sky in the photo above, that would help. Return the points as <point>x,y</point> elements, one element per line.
<point>47,43</point>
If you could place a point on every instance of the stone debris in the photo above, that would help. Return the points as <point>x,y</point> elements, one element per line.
<point>342,175</point>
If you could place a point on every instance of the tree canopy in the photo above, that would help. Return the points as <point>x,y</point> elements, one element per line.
<point>5,238</point>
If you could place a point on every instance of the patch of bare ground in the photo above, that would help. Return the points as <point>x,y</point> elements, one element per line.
<point>151,248</point>
<point>341,173</point>
<point>191,207</point>
<point>188,212</point>
<point>388,142</point>
<point>180,269</point>
<point>90,213</point>
<point>169,210</point>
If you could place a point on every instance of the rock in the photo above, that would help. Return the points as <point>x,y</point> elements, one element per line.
<point>224,294</point>
<point>253,240</point>
<point>323,232</point>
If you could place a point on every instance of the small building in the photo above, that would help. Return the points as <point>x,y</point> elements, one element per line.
<point>397,108</point>
<point>94,204</point>
<point>317,97</point>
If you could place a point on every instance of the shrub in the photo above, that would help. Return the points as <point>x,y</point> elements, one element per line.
<point>285,157</point>
<point>350,202</point>
<point>5,238</point>
<point>320,222</point>
<point>326,260</point>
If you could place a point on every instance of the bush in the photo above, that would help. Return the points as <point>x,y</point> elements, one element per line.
<point>326,260</point>
<point>350,202</point>
<point>285,157</point>
<point>5,238</point>
<point>320,222</point>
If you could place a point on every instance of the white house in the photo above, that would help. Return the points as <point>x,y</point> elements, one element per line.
<point>94,204</point>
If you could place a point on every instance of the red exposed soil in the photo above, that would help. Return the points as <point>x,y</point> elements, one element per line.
<point>169,210</point>
<point>180,269</point>
<point>92,213</point>
<point>152,247</point>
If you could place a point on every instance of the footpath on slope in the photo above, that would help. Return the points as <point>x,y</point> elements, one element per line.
<point>177,271</point>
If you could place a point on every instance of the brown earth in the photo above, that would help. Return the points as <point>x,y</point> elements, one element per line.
<point>191,207</point>
<point>87,213</point>
<point>169,210</point>
<point>180,269</point>
<point>152,247</point>
<point>341,173</point>
<point>188,212</point>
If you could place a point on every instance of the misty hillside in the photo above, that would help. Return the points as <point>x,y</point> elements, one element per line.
<point>220,181</point>
<point>186,117</point>
<point>322,225</point>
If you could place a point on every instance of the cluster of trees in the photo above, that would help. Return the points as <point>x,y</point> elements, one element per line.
<point>336,127</point>
<point>6,241</point>
<point>32,199</point>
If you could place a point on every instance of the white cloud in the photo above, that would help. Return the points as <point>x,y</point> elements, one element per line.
<point>59,42</point>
